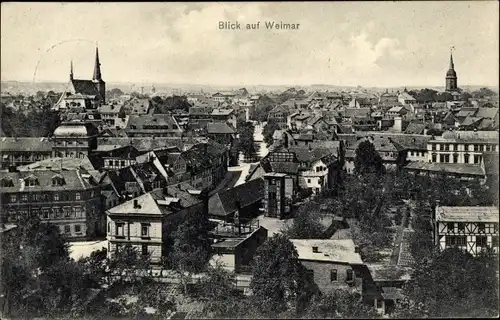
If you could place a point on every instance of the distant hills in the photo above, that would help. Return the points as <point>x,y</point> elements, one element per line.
<point>15,87</point>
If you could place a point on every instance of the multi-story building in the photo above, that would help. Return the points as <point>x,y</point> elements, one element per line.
<point>22,151</point>
<point>462,147</point>
<point>279,115</point>
<point>70,199</point>
<point>332,264</point>
<point>472,229</point>
<point>145,222</point>
<point>75,139</point>
<point>157,125</point>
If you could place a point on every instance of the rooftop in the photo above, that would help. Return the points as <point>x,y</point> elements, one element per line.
<point>382,272</point>
<point>456,168</point>
<point>329,250</point>
<point>467,214</point>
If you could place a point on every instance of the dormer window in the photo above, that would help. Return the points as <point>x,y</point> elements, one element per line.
<point>31,181</point>
<point>7,182</point>
<point>58,180</point>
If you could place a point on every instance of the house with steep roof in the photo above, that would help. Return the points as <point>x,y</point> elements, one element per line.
<point>157,125</point>
<point>332,264</point>
<point>20,151</point>
<point>242,201</point>
<point>279,115</point>
<point>69,199</point>
<point>146,221</point>
<point>471,229</point>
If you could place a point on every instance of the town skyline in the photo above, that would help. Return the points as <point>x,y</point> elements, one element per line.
<point>181,44</point>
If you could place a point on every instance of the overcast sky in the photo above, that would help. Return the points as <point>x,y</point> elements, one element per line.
<point>368,43</point>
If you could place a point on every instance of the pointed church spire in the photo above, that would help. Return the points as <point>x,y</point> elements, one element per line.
<point>97,66</point>
<point>452,66</point>
<point>71,71</point>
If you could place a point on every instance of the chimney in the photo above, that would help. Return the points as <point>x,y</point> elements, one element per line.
<point>136,204</point>
<point>356,249</point>
<point>315,249</point>
<point>285,140</point>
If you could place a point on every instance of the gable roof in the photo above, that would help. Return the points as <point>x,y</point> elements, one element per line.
<point>219,128</point>
<point>86,87</point>
<point>74,180</point>
<point>226,202</point>
<point>40,144</point>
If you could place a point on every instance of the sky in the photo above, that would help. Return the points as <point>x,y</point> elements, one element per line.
<point>337,43</point>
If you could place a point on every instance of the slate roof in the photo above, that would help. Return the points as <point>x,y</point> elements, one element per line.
<point>456,168</point>
<point>357,112</point>
<point>284,167</point>
<point>489,113</point>
<point>225,202</point>
<point>156,203</point>
<point>86,87</point>
<point>467,214</point>
<point>25,144</point>
<point>123,152</point>
<point>110,108</point>
<point>156,122</point>
<point>73,181</point>
<point>219,128</point>
<point>329,250</point>
<point>150,143</point>
<point>382,272</point>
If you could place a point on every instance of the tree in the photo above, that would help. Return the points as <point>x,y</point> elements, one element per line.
<point>367,159</point>
<point>218,289</point>
<point>279,281</point>
<point>246,142</point>
<point>339,304</point>
<point>453,283</point>
<point>268,132</point>
<point>306,224</point>
<point>127,264</point>
<point>191,249</point>
<point>95,267</point>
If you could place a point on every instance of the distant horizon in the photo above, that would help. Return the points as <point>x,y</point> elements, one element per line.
<point>346,44</point>
<point>247,86</point>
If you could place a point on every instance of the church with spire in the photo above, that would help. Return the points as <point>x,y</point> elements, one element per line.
<point>451,77</point>
<point>85,94</point>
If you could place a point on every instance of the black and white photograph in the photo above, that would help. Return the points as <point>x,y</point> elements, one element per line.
<point>249,160</point>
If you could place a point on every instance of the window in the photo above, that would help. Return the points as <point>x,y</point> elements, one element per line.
<point>450,226</point>
<point>56,196</point>
<point>446,147</point>
<point>481,241</point>
<point>13,198</point>
<point>333,275</point>
<point>145,230</point>
<point>455,158</point>
<point>466,158</point>
<point>109,227</point>
<point>78,212</point>
<point>450,241</point>
<point>481,227</point>
<point>441,158</point>
<point>24,197</point>
<point>349,275</point>
<point>120,232</point>
<point>434,156</point>
<point>67,228</point>
<point>144,249</point>
<point>477,158</point>
<point>476,148</point>
<point>77,196</point>
<point>45,213</point>
<point>451,147</point>
<point>433,147</point>
<point>494,241</point>
<point>461,241</point>
<point>78,228</point>
<point>67,212</point>
<point>466,147</point>
<point>461,227</point>
<point>308,180</point>
<point>57,212</point>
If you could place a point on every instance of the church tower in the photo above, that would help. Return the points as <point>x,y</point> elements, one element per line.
<point>451,76</point>
<point>97,78</point>
<point>71,71</point>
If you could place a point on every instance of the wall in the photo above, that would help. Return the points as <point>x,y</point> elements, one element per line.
<point>246,249</point>
<point>322,271</point>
